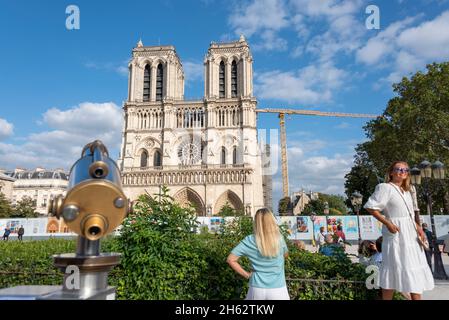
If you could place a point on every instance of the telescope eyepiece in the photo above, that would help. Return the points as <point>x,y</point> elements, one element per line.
<point>94,227</point>
<point>98,170</point>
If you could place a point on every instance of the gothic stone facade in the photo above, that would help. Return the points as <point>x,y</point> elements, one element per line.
<point>205,151</point>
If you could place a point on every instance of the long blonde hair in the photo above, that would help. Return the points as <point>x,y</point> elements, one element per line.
<point>266,232</point>
<point>406,184</point>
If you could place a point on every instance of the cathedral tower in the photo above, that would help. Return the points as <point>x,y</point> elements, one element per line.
<point>205,151</point>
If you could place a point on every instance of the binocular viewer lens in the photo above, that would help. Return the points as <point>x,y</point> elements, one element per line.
<point>95,203</point>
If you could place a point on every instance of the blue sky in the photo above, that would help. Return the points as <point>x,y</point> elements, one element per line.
<point>61,88</point>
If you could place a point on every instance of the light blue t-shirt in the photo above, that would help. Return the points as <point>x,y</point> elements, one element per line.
<point>267,272</point>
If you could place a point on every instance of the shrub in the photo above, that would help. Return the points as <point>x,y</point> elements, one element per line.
<point>159,255</point>
<point>163,259</point>
<point>30,262</point>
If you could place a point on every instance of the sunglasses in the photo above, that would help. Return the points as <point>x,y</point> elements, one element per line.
<point>401,170</point>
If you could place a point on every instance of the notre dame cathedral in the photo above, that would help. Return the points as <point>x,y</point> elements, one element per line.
<point>205,151</point>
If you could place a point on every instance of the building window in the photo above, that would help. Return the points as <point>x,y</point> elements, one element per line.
<point>146,83</point>
<point>144,159</point>
<point>234,79</point>
<point>234,155</point>
<point>223,155</point>
<point>157,161</point>
<point>159,82</point>
<point>221,80</point>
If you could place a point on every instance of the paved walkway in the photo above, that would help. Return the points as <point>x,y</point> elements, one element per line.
<point>441,290</point>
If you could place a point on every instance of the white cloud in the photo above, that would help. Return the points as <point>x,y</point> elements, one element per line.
<point>270,41</point>
<point>430,40</point>
<point>259,15</point>
<point>194,71</point>
<point>311,84</point>
<point>6,129</point>
<point>310,170</point>
<point>406,49</point>
<point>383,43</point>
<point>264,19</point>
<point>327,8</point>
<point>68,131</point>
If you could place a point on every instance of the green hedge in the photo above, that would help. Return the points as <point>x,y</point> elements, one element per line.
<point>163,258</point>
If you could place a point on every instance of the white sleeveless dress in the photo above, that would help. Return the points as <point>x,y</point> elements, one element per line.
<point>404,266</point>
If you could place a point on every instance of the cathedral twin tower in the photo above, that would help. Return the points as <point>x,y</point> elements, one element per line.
<point>205,151</point>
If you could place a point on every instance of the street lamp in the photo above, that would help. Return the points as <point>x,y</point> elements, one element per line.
<point>356,201</point>
<point>312,218</point>
<point>326,212</point>
<point>425,173</point>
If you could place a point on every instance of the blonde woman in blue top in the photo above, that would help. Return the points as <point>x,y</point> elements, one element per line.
<point>266,249</point>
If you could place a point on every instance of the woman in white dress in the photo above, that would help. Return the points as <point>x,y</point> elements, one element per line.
<point>404,266</point>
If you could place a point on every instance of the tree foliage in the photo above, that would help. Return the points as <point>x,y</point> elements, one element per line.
<point>25,208</point>
<point>228,211</point>
<point>336,205</point>
<point>284,206</point>
<point>5,207</point>
<point>413,127</point>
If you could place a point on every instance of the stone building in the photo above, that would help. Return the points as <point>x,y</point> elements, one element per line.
<point>301,199</point>
<point>205,151</point>
<point>39,184</point>
<point>6,185</point>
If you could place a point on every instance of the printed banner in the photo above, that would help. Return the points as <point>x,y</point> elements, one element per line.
<point>299,227</point>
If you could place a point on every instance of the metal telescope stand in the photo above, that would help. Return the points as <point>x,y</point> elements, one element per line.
<point>91,283</point>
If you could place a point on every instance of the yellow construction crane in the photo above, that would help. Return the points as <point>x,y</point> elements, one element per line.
<point>282,112</point>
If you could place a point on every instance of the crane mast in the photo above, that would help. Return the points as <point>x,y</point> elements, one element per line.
<point>281,113</point>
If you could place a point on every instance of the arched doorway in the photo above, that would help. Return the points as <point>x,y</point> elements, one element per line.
<point>230,198</point>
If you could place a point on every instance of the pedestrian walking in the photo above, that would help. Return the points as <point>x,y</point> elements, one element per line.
<point>6,234</point>
<point>404,267</point>
<point>446,244</point>
<point>429,236</point>
<point>321,237</point>
<point>20,233</point>
<point>266,250</point>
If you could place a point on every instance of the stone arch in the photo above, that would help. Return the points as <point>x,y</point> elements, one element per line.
<point>52,226</point>
<point>148,144</point>
<point>144,62</point>
<point>234,58</point>
<point>222,58</point>
<point>230,197</point>
<point>159,60</point>
<point>187,196</point>
<point>157,157</point>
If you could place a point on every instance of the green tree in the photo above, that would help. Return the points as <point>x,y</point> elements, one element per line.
<point>336,205</point>
<point>284,206</point>
<point>413,127</point>
<point>159,255</point>
<point>5,207</point>
<point>362,178</point>
<point>25,208</point>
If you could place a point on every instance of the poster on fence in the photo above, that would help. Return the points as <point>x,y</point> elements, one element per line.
<point>302,224</point>
<point>319,222</point>
<point>215,223</point>
<point>369,228</point>
<point>291,224</point>
<point>333,222</point>
<point>203,224</point>
<point>350,227</point>
<point>366,224</point>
